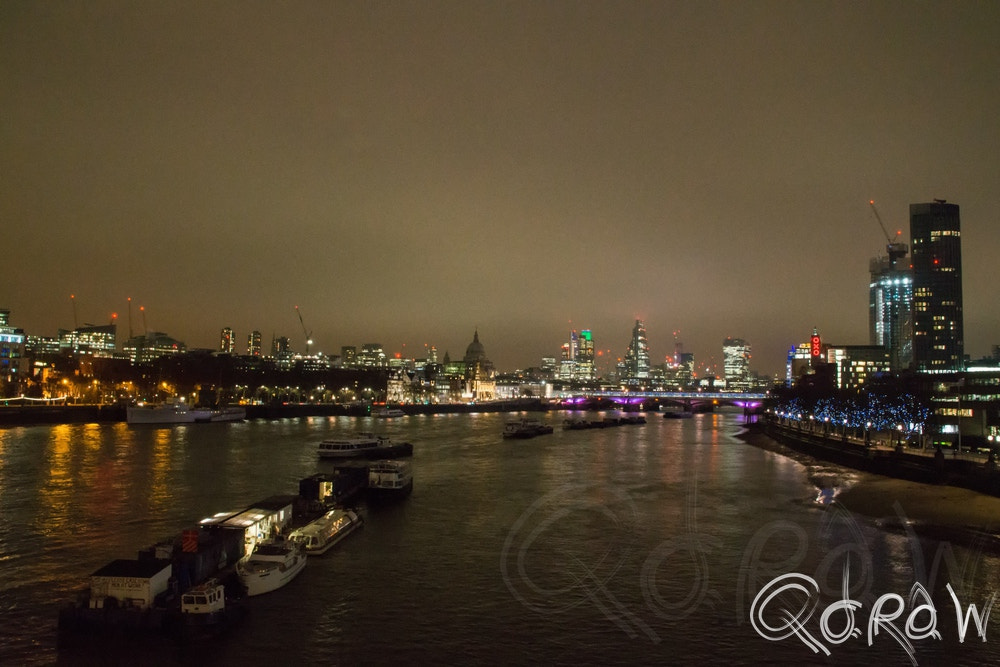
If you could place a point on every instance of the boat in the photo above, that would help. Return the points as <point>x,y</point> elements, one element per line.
<point>207,609</point>
<point>181,413</point>
<point>270,567</point>
<point>364,445</point>
<point>166,413</point>
<point>525,428</point>
<point>228,415</point>
<point>389,480</point>
<point>320,535</point>
<point>389,413</point>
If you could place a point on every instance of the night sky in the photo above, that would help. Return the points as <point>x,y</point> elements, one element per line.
<point>406,172</point>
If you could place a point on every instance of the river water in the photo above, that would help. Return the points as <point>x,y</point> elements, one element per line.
<point>641,544</point>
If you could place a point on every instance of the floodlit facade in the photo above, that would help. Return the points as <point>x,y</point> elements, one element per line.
<point>856,365</point>
<point>12,366</point>
<point>890,308</point>
<point>736,364</point>
<point>936,255</point>
<point>144,349</point>
<point>99,341</point>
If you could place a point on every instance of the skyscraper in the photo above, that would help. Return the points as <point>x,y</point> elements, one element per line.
<point>226,342</point>
<point>636,366</point>
<point>736,363</point>
<point>253,344</point>
<point>586,368</point>
<point>936,256</point>
<point>890,306</point>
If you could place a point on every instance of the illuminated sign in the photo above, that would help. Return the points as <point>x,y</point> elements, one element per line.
<point>815,348</point>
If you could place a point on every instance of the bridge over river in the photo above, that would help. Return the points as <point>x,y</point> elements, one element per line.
<point>689,399</point>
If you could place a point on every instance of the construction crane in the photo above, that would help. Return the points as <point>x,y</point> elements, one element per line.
<point>893,246</point>
<point>307,333</point>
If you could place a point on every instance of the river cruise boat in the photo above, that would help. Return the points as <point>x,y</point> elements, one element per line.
<point>166,413</point>
<point>389,480</point>
<point>363,446</point>
<point>270,567</point>
<point>207,610</point>
<point>525,428</point>
<point>389,413</point>
<point>321,535</point>
<point>181,413</point>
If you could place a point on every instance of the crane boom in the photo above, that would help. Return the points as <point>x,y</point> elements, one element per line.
<point>895,249</point>
<point>881,224</point>
<point>305,331</point>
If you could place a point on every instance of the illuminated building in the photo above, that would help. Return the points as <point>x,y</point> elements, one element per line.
<point>372,356</point>
<point>226,344</point>
<point>635,368</point>
<point>98,341</point>
<point>280,346</point>
<point>890,304</point>
<point>145,349</point>
<point>857,364</point>
<point>480,383</point>
<point>936,256</point>
<point>12,366</point>
<point>799,362</point>
<point>253,344</point>
<point>736,364</point>
<point>577,362</point>
<point>349,356</point>
<point>586,369</point>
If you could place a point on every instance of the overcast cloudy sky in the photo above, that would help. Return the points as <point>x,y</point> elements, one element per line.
<point>406,172</point>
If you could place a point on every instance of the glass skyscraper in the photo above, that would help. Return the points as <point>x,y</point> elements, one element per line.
<point>890,306</point>
<point>936,256</point>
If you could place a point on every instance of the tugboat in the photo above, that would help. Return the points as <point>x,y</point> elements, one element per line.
<point>207,610</point>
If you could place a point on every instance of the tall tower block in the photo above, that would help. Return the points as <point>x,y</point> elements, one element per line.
<point>936,255</point>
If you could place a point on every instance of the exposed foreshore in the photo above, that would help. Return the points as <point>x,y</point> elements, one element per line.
<point>25,415</point>
<point>932,509</point>
<point>975,472</point>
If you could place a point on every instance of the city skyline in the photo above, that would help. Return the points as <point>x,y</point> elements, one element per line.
<point>412,173</point>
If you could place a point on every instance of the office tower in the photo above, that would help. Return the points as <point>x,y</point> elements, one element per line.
<point>936,256</point>
<point>890,306</point>
<point>253,344</point>
<point>586,368</point>
<point>226,344</point>
<point>567,362</point>
<point>736,363</point>
<point>636,365</point>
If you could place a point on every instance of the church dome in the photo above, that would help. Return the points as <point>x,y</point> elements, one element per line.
<point>475,351</point>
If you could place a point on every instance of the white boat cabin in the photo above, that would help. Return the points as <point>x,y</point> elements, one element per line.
<point>133,583</point>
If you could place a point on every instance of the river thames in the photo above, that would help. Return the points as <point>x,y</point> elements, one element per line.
<point>672,542</point>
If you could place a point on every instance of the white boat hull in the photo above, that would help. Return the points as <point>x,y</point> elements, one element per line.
<point>165,414</point>
<point>181,414</point>
<point>263,576</point>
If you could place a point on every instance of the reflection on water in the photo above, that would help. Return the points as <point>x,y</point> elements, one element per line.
<point>626,545</point>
